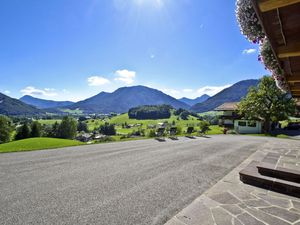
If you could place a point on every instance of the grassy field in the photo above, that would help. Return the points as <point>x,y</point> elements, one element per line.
<point>37,144</point>
<point>48,122</point>
<point>121,119</point>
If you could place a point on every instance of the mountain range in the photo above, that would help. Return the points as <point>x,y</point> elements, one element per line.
<point>122,100</point>
<point>232,94</point>
<point>14,107</point>
<point>194,101</point>
<point>44,104</point>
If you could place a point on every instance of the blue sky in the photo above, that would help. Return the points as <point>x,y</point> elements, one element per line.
<point>73,49</point>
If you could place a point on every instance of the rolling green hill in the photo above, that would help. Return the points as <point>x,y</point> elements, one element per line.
<point>37,144</point>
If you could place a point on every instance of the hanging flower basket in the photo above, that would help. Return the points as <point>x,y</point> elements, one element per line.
<point>268,58</point>
<point>248,21</point>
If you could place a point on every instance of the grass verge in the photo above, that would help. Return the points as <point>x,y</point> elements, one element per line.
<point>32,144</point>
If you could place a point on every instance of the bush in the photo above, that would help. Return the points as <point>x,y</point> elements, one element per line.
<point>152,133</point>
<point>190,130</point>
<point>204,127</point>
<point>108,129</point>
<point>6,129</point>
<point>232,132</point>
<point>106,139</point>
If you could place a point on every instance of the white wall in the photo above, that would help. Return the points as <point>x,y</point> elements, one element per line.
<point>248,129</point>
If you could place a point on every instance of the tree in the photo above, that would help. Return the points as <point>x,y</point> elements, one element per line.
<point>23,132</point>
<point>107,129</point>
<point>82,126</point>
<point>67,128</point>
<point>5,129</point>
<point>36,129</point>
<point>204,127</point>
<point>267,103</point>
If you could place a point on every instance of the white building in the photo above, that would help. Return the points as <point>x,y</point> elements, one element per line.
<point>229,118</point>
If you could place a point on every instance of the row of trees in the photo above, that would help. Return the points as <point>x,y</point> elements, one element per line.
<point>150,112</point>
<point>67,129</point>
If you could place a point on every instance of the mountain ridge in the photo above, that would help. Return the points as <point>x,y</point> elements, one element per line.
<point>44,103</point>
<point>124,98</point>
<point>194,101</point>
<point>14,107</point>
<point>233,93</point>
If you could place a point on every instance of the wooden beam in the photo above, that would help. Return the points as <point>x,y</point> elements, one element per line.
<point>295,78</point>
<point>295,93</point>
<point>268,5</point>
<point>291,50</point>
<point>294,88</point>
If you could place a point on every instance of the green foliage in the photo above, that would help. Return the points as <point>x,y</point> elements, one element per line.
<point>178,130</point>
<point>36,144</point>
<point>184,115</point>
<point>204,127</point>
<point>108,129</point>
<point>152,133</point>
<point>105,139</point>
<point>6,129</point>
<point>23,132</point>
<point>36,129</point>
<point>82,126</point>
<point>150,112</point>
<point>68,128</point>
<point>267,103</point>
<point>190,130</point>
<point>179,111</point>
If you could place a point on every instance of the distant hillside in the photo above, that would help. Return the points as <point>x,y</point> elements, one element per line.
<point>125,98</point>
<point>195,101</point>
<point>44,104</point>
<point>232,94</point>
<point>14,107</point>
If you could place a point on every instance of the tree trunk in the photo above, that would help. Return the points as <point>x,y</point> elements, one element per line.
<point>267,125</point>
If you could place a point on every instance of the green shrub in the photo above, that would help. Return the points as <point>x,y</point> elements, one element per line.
<point>152,133</point>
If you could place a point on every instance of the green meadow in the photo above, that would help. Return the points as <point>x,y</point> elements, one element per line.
<point>37,144</point>
<point>144,124</point>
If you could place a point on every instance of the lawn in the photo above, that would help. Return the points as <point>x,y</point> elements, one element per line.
<point>36,144</point>
<point>48,122</point>
<point>121,119</point>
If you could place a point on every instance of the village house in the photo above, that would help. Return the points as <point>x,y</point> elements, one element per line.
<point>229,118</point>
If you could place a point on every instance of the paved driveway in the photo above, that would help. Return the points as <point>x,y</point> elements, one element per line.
<point>137,182</point>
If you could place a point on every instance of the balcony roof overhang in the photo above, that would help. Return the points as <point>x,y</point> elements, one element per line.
<point>281,22</point>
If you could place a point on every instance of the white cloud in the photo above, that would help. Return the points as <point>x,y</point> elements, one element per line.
<point>172,92</point>
<point>187,90</point>
<point>38,92</point>
<point>249,51</point>
<point>97,81</point>
<point>7,92</point>
<point>211,90</point>
<point>125,76</point>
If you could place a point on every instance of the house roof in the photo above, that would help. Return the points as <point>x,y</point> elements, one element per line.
<point>281,22</point>
<point>227,106</point>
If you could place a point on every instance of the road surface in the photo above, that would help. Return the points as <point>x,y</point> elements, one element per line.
<point>137,182</point>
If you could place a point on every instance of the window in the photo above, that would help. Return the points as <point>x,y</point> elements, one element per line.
<point>242,123</point>
<point>251,124</point>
